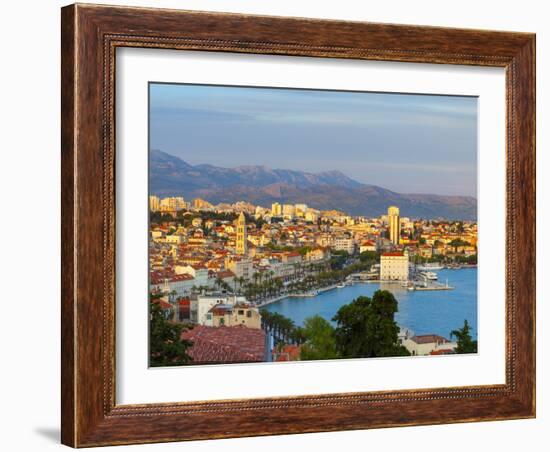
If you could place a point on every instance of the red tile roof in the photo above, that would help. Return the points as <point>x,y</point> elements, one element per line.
<point>163,304</point>
<point>293,254</point>
<point>367,243</point>
<point>428,339</point>
<point>225,274</point>
<point>446,351</point>
<point>394,254</point>
<point>182,277</point>
<point>225,344</point>
<point>288,353</point>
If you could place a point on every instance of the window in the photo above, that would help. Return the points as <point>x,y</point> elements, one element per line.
<point>240,312</point>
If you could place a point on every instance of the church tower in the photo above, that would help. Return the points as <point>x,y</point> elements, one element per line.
<point>240,245</point>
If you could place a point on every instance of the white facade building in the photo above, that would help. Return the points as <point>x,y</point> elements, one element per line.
<point>344,244</point>
<point>201,304</point>
<point>199,274</point>
<point>241,266</point>
<point>180,284</point>
<point>367,245</point>
<point>394,266</point>
<point>428,344</point>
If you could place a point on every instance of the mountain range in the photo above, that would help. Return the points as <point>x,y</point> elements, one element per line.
<point>170,176</point>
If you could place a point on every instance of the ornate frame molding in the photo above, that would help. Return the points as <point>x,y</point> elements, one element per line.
<point>90,37</point>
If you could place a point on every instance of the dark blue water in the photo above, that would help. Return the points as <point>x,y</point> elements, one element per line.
<point>437,312</point>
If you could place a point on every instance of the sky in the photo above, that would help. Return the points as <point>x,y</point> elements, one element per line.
<point>409,143</point>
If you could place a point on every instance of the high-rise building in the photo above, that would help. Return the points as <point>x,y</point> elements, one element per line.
<point>174,204</point>
<point>276,209</point>
<point>154,203</point>
<point>300,210</point>
<point>288,211</point>
<point>393,224</point>
<point>312,215</point>
<point>240,242</point>
<point>201,204</point>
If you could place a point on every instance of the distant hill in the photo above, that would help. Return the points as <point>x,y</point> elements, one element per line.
<point>260,185</point>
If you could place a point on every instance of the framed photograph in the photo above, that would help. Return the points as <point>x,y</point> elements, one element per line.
<point>281,225</point>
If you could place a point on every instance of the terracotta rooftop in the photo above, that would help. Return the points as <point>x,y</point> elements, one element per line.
<point>428,339</point>
<point>367,243</point>
<point>446,351</point>
<point>287,353</point>
<point>225,274</point>
<point>163,304</point>
<point>182,277</point>
<point>225,344</point>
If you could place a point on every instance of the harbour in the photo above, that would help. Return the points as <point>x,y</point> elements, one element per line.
<point>422,311</point>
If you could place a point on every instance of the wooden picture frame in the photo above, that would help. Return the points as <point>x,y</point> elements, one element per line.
<point>90,36</point>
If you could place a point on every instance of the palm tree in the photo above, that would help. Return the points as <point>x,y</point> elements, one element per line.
<point>243,281</point>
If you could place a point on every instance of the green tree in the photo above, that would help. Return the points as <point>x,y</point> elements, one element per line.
<point>166,348</point>
<point>366,327</point>
<point>455,243</point>
<point>369,256</point>
<point>298,335</point>
<point>320,340</point>
<point>465,343</point>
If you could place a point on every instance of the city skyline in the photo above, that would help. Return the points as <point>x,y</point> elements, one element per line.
<point>391,140</point>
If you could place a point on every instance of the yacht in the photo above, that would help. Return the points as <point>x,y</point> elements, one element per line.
<point>429,275</point>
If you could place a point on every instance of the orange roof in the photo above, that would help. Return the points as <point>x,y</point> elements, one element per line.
<point>287,353</point>
<point>428,339</point>
<point>367,243</point>
<point>183,277</point>
<point>225,344</point>
<point>225,274</point>
<point>293,253</point>
<point>163,304</point>
<point>446,351</point>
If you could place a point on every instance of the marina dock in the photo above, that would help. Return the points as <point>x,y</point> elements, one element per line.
<point>438,287</point>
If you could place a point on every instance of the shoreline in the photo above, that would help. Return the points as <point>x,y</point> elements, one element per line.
<point>369,281</point>
<point>412,310</point>
<point>282,297</point>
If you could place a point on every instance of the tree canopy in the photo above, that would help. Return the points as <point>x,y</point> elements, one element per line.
<point>366,327</point>
<point>465,343</point>
<point>166,348</point>
<point>320,340</point>
<point>369,256</point>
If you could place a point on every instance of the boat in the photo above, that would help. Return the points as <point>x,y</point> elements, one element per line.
<point>431,276</point>
<point>340,286</point>
<point>430,266</point>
